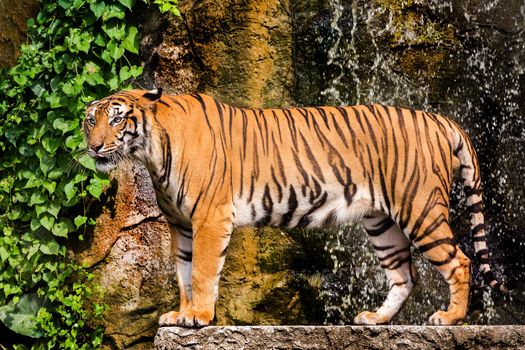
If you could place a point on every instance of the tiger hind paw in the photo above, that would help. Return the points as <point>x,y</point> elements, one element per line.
<point>371,318</point>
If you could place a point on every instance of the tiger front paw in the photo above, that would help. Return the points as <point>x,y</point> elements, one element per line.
<point>186,318</point>
<point>169,318</point>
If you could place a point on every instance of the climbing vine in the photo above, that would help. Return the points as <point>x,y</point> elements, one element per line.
<point>79,50</point>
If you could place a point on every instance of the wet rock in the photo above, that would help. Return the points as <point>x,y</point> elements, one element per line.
<point>347,337</point>
<point>463,59</point>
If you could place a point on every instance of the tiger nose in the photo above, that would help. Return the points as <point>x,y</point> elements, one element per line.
<point>96,146</point>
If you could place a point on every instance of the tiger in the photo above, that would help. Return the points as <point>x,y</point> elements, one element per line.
<point>215,168</point>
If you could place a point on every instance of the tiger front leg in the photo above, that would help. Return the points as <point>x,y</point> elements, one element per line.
<point>182,253</point>
<point>209,252</point>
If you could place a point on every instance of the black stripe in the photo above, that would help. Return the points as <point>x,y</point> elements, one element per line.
<point>469,191</point>
<point>396,263</point>
<point>482,252</point>
<point>478,228</point>
<point>305,220</point>
<point>448,259</point>
<point>195,205</point>
<point>184,255</point>
<point>475,208</point>
<point>381,228</point>
<point>381,248</point>
<point>394,253</point>
<point>398,284</point>
<point>292,206</point>
<point>426,247</point>
<point>267,203</point>
<point>173,99</point>
<point>277,184</point>
<point>164,103</point>
<point>313,161</point>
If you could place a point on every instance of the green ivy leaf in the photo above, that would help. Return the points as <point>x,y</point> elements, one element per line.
<point>53,208</point>
<point>77,4</point>
<point>115,30</point>
<point>50,247</point>
<point>73,141</point>
<point>35,224</point>
<point>124,73</point>
<point>37,198</point>
<point>62,228</point>
<point>38,89</point>
<point>51,144</point>
<point>135,71</point>
<point>50,186</point>
<point>115,50</point>
<point>114,11</point>
<point>65,125</point>
<point>87,162</point>
<point>47,162</point>
<point>128,3</point>
<point>98,8</point>
<point>70,190</point>
<point>95,188</point>
<point>65,4</point>
<point>131,42</point>
<point>20,317</point>
<point>4,254</point>
<point>80,220</point>
<point>55,174</point>
<point>47,221</point>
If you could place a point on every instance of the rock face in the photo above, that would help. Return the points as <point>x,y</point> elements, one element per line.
<point>129,252</point>
<point>13,30</point>
<point>341,337</point>
<point>237,50</point>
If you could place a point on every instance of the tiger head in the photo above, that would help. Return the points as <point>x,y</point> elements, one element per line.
<point>114,126</point>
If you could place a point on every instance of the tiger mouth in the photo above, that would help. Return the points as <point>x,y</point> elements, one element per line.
<point>102,160</point>
<point>104,164</point>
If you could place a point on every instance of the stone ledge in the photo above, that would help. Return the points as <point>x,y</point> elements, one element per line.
<point>341,337</point>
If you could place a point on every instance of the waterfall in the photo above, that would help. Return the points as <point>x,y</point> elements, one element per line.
<point>463,59</point>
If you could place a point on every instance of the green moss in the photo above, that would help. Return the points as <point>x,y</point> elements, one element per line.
<point>413,24</point>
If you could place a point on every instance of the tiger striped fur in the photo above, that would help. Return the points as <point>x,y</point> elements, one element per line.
<point>216,167</point>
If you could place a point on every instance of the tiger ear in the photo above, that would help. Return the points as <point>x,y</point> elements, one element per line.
<point>89,104</point>
<point>154,94</point>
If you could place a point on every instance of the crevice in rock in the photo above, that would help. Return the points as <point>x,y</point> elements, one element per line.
<point>155,218</point>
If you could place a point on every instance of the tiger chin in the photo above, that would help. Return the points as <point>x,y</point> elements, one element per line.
<point>216,168</point>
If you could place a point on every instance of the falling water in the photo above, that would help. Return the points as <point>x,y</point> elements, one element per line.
<point>464,59</point>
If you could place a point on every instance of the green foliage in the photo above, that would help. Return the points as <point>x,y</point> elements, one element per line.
<point>78,52</point>
<point>169,6</point>
<point>20,316</point>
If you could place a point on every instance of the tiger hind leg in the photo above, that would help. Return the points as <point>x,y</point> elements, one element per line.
<point>435,241</point>
<point>392,248</point>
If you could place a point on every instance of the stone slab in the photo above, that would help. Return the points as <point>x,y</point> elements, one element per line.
<point>341,337</point>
